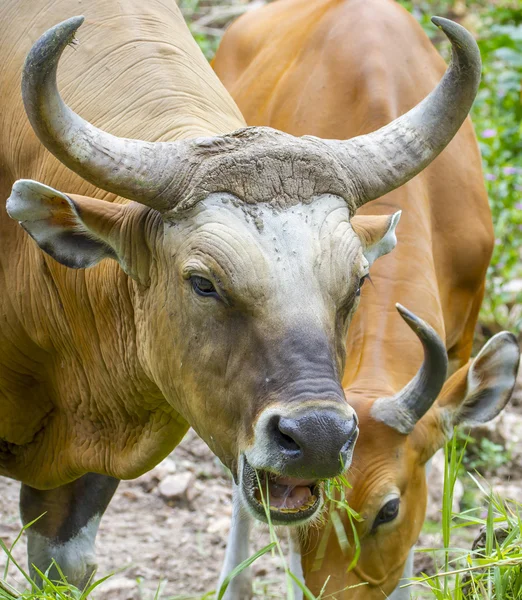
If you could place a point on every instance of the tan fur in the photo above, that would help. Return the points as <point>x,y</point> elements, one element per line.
<point>154,85</point>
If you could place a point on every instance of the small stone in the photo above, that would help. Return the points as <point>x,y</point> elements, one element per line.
<point>508,490</point>
<point>120,588</point>
<point>220,526</point>
<point>130,495</point>
<point>149,481</point>
<point>176,487</point>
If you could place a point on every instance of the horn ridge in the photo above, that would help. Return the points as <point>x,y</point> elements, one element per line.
<point>403,410</point>
<point>134,169</point>
<point>389,157</point>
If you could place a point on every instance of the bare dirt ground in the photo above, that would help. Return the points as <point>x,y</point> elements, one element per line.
<point>149,539</point>
<point>181,543</point>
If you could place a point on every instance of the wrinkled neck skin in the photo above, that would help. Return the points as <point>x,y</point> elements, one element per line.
<point>287,281</point>
<point>88,394</point>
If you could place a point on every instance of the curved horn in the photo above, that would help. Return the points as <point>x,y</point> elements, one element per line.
<point>404,409</point>
<point>389,157</point>
<point>131,168</point>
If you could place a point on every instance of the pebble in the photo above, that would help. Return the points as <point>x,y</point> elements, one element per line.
<point>149,481</point>
<point>220,526</point>
<point>176,487</point>
<point>120,588</point>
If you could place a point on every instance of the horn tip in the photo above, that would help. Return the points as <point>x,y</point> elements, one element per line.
<point>445,24</point>
<point>44,55</point>
<point>458,36</point>
<point>413,320</point>
<point>403,310</point>
<point>69,26</point>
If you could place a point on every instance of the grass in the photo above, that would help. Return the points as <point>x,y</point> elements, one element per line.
<point>491,570</point>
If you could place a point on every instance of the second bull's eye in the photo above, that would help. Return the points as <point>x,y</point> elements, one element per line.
<point>203,287</point>
<point>361,283</point>
<point>387,513</point>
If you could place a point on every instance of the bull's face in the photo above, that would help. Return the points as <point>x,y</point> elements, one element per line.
<point>389,494</point>
<point>388,475</point>
<point>243,317</point>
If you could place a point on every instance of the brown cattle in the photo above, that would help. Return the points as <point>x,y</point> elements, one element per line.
<point>180,273</point>
<point>340,69</point>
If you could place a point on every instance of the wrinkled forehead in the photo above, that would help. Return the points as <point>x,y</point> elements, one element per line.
<point>303,229</point>
<point>311,244</point>
<point>263,166</point>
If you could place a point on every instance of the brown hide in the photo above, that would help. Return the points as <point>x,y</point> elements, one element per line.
<point>337,69</point>
<point>75,395</point>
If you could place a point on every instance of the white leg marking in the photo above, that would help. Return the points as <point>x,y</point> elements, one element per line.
<point>240,588</point>
<point>76,557</point>
<point>404,593</point>
<point>296,566</point>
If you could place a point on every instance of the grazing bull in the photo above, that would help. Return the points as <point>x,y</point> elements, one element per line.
<point>342,69</point>
<point>235,267</point>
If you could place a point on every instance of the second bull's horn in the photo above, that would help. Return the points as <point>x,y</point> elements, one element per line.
<point>403,410</point>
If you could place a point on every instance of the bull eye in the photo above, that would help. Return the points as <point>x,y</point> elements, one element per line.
<point>361,283</point>
<point>203,287</point>
<point>387,513</point>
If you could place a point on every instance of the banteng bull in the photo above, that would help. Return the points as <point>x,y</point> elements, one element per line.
<point>343,69</point>
<point>234,266</point>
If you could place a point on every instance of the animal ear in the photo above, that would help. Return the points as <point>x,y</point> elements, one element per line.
<point>490,381</point>
<point>474,394</point>
<point>78,231</point>
<point>377,234</point>
<point>479,391</point>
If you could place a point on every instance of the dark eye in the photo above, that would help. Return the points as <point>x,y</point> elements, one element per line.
<point>387,513</point>
<point>203,287</point>
<point>361,283</point>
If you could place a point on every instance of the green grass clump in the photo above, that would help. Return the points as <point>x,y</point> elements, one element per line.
<point>492,568</point>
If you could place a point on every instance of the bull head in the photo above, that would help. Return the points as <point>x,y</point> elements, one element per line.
<point>247,260</point>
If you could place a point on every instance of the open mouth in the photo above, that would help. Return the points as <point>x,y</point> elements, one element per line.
<point>290,500</point>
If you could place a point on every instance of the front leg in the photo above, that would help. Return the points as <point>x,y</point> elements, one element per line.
<point>295,563</point>
<point>67,531</point>
<point>240,588</point>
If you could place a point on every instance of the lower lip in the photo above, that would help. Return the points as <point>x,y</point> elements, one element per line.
<point>283,515</point>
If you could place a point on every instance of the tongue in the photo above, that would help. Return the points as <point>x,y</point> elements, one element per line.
<point>289,493</point>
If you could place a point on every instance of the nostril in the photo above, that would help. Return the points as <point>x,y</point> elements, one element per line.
<point>287,442</point>
<point>352,436</point>
<point>283,433</point>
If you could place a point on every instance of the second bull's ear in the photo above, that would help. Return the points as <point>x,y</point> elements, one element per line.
<point>377,234</point>
<point>489,383</point>
<point>474,394</point>
<point>78,231</point>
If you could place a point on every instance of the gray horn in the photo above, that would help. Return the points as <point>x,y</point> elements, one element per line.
<point>403,410</point>
<point>389,157</point>
<point>131,168</point>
